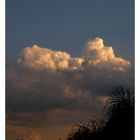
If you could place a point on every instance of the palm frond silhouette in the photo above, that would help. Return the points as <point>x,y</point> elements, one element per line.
<point>119,112</point>
<point>120,101</point>
<point>118,121</point>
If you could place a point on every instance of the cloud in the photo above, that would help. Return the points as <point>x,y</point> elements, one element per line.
<point>34,136</point>
<point>44,85</point>
<point>95,53</point>
<point>43,58</point>
<point>28,134</point>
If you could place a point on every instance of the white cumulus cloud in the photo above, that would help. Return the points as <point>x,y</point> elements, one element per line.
<point>43,58</point>
<point>95,53</point>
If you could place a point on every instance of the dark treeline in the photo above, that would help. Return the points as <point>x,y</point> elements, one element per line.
<point>117,122</point>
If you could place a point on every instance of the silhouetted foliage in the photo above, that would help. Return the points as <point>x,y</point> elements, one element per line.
<point>118,122</point>
<point>87,131</point>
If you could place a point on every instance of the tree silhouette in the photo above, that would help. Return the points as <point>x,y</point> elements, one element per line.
<point>87,131</point>
<point>119,112</point>
<point>118,122</point>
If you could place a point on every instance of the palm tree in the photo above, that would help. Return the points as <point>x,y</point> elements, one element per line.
<point>118,123</point>
<point>119,112</point>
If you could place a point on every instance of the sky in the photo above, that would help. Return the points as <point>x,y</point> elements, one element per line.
<point>63,60</point>
<point>67,25</point>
